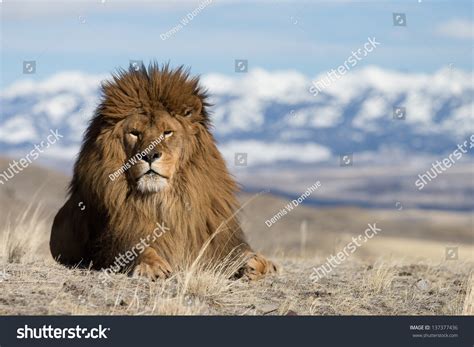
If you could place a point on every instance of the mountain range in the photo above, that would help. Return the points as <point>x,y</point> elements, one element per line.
<point>372,113</point>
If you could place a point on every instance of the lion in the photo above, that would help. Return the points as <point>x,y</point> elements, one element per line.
<point>149,158</point>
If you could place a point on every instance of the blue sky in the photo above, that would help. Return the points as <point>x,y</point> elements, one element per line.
<point>307,36</point>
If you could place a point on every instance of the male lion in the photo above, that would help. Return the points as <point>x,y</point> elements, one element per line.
<point>148,158</point>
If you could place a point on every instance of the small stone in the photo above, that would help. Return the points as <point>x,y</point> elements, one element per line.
<point>423,285</point>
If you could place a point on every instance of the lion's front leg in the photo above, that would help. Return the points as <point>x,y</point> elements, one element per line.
<point>256,267</point>
<point>151,265</point>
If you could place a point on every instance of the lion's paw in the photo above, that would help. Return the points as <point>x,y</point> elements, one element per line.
<point>257,267</point>
<point>152,266</point>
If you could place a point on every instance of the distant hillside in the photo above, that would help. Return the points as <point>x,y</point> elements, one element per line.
<point>34,185</point>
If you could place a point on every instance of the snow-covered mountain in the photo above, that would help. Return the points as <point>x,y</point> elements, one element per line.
<point>272,116</point>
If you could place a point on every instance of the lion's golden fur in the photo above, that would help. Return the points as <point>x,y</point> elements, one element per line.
<point>201,196</point>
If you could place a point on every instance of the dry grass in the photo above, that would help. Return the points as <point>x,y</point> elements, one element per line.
<point>468,305</point>
<point>33,284</point>
<point>380,279</point>
<point>24,235</point>
<point>45,288</point>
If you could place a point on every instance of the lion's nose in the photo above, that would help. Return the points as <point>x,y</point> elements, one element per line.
<point>151,157</point>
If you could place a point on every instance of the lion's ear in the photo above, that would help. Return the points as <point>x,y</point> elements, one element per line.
<point>192,109</point>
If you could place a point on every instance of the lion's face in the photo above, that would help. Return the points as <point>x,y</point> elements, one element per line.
<point>148,128</point>
<point>153,144</point>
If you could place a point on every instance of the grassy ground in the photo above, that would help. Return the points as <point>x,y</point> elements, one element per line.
<point>32,283</point>
<point>382,288</point>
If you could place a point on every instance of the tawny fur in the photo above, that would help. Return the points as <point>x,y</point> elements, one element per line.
<point>200,198</point>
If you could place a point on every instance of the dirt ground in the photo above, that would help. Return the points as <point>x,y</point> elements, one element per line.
<point>354,288</point>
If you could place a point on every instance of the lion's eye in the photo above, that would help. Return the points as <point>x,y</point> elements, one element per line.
<point>168,133</point>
